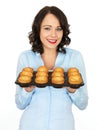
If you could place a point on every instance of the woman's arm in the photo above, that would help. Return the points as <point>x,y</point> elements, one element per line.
<point>23,96</point>
<point>79,96</point>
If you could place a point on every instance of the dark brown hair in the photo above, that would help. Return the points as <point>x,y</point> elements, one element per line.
<point>34,35</point>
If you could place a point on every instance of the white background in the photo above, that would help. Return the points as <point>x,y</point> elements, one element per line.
<point>16,17</point>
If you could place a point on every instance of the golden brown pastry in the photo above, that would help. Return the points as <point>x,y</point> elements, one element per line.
<point>59,69</point>
<point>76,79</point>
<point>42,69</point>
<point>57,73</point>
<point>73,73</point>
<point>73,69</point>
<point>58,76</point>
<point>41,79</point>
<point>39,73</point>
<point>24,79</point>
<point>26,73</point>
<point>28,69</point>
<point>58,80</point>
<point>74,76</point>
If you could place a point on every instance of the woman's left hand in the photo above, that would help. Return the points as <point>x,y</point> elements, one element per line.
<point>30,88</point>
<point>71,90</point>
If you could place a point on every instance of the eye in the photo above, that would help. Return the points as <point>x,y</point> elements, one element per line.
<point>59,29</point>
<point>47,28</point>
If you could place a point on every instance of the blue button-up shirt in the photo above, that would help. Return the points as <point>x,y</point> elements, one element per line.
<point>50,108</point>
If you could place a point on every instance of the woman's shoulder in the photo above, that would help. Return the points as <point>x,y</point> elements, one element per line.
<point>72,51</point>
<point>26,52</point>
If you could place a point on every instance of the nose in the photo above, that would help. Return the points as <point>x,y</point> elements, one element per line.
<point>53,33</point>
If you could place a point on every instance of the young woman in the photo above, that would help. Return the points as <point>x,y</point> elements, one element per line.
<point>50,108</point>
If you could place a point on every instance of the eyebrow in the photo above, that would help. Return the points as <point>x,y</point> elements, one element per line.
<point>49,26</point>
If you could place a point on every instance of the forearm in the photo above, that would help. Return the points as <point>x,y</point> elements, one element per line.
<point>22,97</point>
<point>80,98</point>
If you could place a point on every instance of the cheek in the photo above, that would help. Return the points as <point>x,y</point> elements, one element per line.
<point>60,37</point>
<point>42,38</point>
<point>42,34</point>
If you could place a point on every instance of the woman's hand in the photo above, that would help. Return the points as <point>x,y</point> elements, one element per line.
<point>29,89</point>
<point>71,90</point>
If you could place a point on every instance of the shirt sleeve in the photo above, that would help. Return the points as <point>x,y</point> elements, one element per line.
<point>80,97</point>
<point>22,98</point>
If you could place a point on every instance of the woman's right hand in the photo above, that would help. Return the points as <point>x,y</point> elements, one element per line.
<point>29,89</point>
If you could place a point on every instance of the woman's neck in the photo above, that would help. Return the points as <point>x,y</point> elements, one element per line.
<point>49,58</point>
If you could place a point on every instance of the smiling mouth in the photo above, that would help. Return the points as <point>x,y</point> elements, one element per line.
<point>51,41</point>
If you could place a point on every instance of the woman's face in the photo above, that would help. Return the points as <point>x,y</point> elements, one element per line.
<point>51,32</point>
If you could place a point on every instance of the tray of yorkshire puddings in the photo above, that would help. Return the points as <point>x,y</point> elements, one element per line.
<point>57,78</point>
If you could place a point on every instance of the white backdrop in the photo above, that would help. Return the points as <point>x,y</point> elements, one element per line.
<point>16,17</point>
